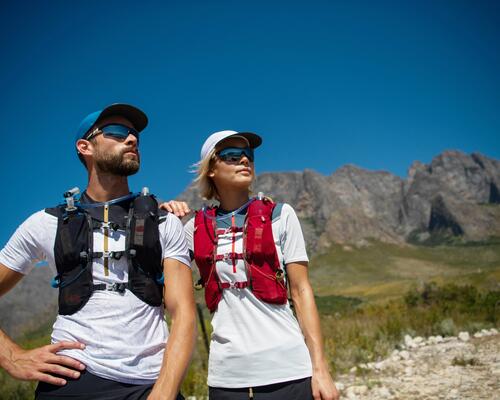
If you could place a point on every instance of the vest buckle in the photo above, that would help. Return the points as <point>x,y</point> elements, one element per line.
<point>199,284</point>
<point>118,287</point>
<point>112,254</point>
<point>280,275</point>
<point>234,285</point>
<point>110,224</point>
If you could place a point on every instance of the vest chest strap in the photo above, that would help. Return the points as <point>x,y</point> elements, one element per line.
<point>115,287</point>
<point>229,256</point>
<point>108,254</point>
<point>232,229</point>
<point>234,285</point>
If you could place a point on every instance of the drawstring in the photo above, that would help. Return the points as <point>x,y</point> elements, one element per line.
<point>233,225</point>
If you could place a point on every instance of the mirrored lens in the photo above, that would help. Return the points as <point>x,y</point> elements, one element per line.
<point>119,131</point>
<point>235,154</point>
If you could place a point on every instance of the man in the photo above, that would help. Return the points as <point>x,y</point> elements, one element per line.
<point>117,259</point>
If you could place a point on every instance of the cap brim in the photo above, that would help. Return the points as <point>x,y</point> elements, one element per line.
<point>254,140</point>
<point>133,114</point>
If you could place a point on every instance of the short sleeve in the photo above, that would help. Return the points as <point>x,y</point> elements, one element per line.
<point>174,240</point>
<point>291,237</point>
<point>189,229</point>
<point>30,243</point>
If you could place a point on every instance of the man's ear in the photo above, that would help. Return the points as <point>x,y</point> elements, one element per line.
<point>84,146</point>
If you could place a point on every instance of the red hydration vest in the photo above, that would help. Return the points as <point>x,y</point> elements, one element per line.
<point>265,276</point>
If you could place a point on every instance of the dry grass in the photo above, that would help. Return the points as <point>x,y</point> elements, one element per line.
<point>363,314</point>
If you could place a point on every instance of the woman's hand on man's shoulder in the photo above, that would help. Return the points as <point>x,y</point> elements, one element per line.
<point>178,208</point>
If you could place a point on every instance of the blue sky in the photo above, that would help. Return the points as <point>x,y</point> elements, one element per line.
<point>375,83</point>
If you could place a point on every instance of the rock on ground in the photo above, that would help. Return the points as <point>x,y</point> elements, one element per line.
<point>452,369</point>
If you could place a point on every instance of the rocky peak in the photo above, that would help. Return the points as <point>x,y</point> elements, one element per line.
<point>446,196</point>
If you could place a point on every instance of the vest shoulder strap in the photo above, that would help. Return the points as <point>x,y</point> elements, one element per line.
<point>55,211</point>
<point>277,211</point>
<point>162,215</point>
<point>203,217</point>
<point>263,207</point>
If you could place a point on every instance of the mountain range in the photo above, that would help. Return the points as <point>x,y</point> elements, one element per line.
<point>454,197</point>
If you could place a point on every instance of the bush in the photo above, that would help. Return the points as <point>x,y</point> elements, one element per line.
<point>491,304</point>
<point>448,298</point>
<point>446,327</point>
<point>371,331</point>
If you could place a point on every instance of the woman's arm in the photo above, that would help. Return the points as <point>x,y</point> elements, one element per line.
<point>307,314</point>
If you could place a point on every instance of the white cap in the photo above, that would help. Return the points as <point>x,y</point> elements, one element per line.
<point>254,140</point>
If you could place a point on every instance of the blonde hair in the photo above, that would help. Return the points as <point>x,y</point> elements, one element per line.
<point>206,185</point>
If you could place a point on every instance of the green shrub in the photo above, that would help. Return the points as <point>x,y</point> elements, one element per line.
<point>446,327</point>
<point>11,389</point>
<point>491,304</point>
<point>371,331</point>
<point>329,305</point>
<point>354,332</point>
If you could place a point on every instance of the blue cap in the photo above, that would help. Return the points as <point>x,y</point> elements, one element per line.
<point>133,114</point>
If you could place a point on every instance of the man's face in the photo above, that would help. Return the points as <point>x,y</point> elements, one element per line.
<point>113,155</point>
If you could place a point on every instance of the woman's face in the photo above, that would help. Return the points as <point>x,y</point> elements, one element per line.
<point>232,174</point>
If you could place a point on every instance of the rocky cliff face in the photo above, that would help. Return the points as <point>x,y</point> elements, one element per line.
<point>451,195</point>
<point>455,195</point>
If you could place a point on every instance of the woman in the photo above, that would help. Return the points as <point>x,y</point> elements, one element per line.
<point>248,251</point>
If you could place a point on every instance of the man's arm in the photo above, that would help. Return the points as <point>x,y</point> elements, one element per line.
<point>307,314</point>
<point>179,302</point>
<point>37,364</point>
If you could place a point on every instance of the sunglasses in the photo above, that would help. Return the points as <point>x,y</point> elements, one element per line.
<point>235,154</point>
<point>114,131</point>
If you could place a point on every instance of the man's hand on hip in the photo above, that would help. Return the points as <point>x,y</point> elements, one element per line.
<point>41,364</point>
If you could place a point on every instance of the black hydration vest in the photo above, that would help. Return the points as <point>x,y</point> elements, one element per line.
<point>74,255</point>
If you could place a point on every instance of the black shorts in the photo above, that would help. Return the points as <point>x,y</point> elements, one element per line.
<point>299,389</point>
<point>89,386</point>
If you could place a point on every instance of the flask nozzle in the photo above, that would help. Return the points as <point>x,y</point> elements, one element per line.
<point>71,192</point>
<point>70,198</point>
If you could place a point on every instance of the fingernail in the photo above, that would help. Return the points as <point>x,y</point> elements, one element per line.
<point>63,382</point>
<point>81,366</point>
<point>76,374</point>
<point>82,346</point>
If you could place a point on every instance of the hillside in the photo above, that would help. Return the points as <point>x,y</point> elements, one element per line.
<point>361,228</point>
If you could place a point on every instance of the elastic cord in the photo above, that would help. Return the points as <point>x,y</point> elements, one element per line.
<point>228,215</point>
<point>108,203</point>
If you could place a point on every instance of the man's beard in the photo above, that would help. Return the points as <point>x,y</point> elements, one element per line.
<point>116,164</point>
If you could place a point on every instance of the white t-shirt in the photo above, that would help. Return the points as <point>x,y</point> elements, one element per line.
<point>255,343</point>
<point>124,337</point>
